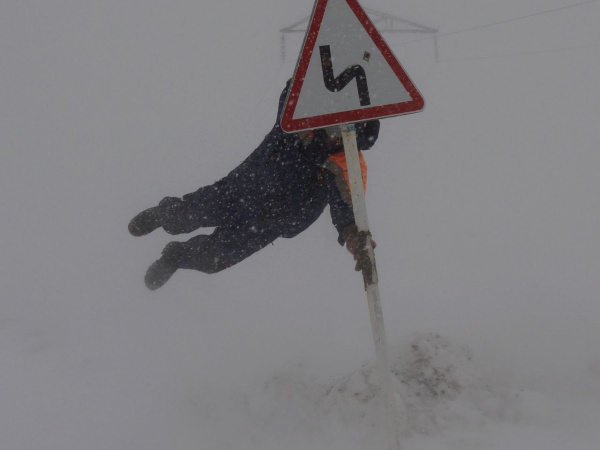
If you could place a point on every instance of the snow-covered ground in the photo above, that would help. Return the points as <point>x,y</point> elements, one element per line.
<point>485,207</point>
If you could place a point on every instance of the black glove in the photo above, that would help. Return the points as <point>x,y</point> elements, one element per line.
<point>356,243</point>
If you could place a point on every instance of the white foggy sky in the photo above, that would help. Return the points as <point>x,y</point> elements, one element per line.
<point>485,208</point>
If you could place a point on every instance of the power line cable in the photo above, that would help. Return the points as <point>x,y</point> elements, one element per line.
<point>561,8</point>
<point>510,55</point>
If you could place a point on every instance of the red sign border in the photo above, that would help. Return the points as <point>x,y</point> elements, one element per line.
<point>290,125</point>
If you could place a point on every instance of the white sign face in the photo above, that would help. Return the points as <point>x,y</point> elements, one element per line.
<point>346,72</point>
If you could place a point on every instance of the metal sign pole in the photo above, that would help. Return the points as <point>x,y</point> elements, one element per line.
<point>389,396</point>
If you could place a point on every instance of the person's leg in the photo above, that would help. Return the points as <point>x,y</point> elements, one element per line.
<point>225,247</point>
<point>209,206</point>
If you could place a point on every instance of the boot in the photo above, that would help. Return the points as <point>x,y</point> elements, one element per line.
<point>145,222</point>
<point>163,268</point>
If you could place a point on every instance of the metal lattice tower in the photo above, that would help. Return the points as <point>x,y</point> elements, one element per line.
<point>386,23</point>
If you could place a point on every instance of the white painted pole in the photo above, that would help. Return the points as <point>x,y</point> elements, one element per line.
<point>389,396</point>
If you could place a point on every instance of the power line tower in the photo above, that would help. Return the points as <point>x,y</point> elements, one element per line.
<point>386,23</point>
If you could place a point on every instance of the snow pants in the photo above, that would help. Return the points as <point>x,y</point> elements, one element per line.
<point>233,239</point>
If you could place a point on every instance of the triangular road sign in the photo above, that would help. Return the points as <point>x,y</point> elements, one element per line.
<point>346,72</point>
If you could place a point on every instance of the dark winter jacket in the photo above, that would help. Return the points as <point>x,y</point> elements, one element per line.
<point>287,184</point>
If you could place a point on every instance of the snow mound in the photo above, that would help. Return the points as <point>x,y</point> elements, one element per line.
<point>441,385</point>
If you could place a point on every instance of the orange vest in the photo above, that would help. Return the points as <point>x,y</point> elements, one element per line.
<point>339,159</point>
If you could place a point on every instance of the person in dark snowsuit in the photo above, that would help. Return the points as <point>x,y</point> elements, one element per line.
<point>278,191</point>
